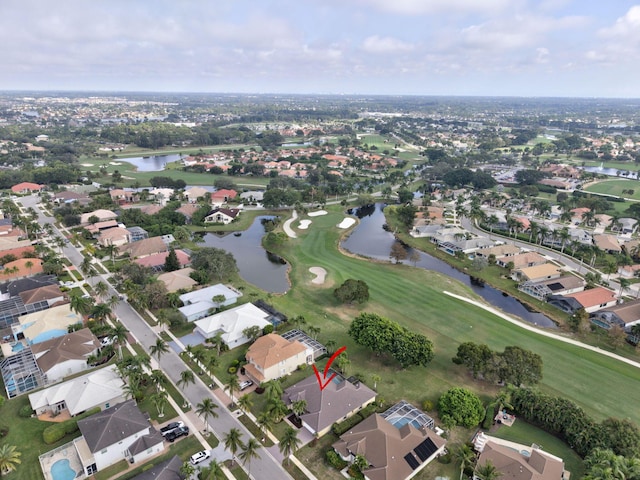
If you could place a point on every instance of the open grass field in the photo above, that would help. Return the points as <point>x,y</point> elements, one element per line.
<point>616,186</point>
<point>413,297</point>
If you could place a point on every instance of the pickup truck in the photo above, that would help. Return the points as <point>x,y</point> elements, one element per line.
<point>177,433</point>
<point>170,427</point>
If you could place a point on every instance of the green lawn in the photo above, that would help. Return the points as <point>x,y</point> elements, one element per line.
<point>526,434</point>
<point>615,187</point>
<point>414,298</point>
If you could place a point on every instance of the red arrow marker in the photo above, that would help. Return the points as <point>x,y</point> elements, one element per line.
<point>326,369</point>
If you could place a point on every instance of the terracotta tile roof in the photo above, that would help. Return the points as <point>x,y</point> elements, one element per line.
<point>270,349</point>
<point>142,248</point>
<point>41,293</point>
<point>593,296</point>
<point>513,466</point>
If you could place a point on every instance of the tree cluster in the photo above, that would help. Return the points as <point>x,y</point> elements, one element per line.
<point>514,366</point>
<point>459,406</point>
<point>385,336</point>
<point>276,197</point>
<point>212,264</point>
<point>167,182</point>
<point>564,419</point>
<point>406,214</point>
<point>464,176</point>
<point>529,177</point>
<point>352,291</point>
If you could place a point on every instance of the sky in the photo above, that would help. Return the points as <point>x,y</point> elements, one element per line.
<point>566,48</point>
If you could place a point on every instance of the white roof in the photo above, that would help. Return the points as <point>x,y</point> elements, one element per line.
<point>81,393</point>
<point>233,321</point>
<point>102,215</point>
<point>207,294</point>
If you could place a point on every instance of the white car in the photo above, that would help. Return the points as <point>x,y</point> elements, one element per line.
<point>201,456</point>
<point>245,384</point>
<point>106,341</point>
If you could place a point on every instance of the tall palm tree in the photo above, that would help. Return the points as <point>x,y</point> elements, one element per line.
<point>186,470</point>
<point>272,389</point>
<point>232,385</point>
<point>186,377</point>
<point>79,304</point>
<point>101,289</point>
<point>159,399</point>
<point>245,403</point>
<point>212,472</point>
<point>289,442</point>
<point>119,334</point>
<point>158,379</point>
<point>299,407</point>
<point>249,452</point>
<point>233,442</point>
<point>207,408</point>
<point>265,422</point>
<point>9,458</point>
<point>463,454</point>
<point>159,348</point>
<point>375,378</point>
<point>101,312</point>
<point>487,471</point>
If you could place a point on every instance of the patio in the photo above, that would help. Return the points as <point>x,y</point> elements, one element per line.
<point>61,460</point>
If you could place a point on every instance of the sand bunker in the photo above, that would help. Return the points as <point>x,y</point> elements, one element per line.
<point>346,223</point>
<point>317,213</point>
<point>115,163</point>
<point>87,164</point>
<point>304,224</point>
<point>320,274</point>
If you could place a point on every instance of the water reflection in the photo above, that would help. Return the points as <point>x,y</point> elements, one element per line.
<point>257,266</point>
<point>369,239</point>
<point>154,163</point>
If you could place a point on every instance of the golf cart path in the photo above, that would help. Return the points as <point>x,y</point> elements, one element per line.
<point>543,332</point>
<point>287,225</point>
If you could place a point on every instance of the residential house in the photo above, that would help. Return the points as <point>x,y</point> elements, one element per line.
<point>522,260</point>
<point>100,388</point>
<point>499,251</point>
<point>199,303</point>
<point>627,225</point>
<point>188,210</point>
<point>49,293</point>
<point>591,300</point>
<point>222,196</point>
<point>46,324</point>
<point>143,248</point>
<point>8,244</point>
<point>156,261</point>
<point>96,228</point>
<point>26,187</point>
<point>625,315</point>
<point>15,287</point>
<point>122,196</point>
<point>102,215</point>
<point>513,464</point>
<point>467,245</point>
<point>271,357</point>
<point>117,237</point>
<point>252,196</point>
<point>20,268</point>
<point>67,197</point>
<point>150,209</point>
<point>20,373</point>
<point>339,400</point>
<point>393,452</point>
<point>629,271</point>
<point>232,323</point>
<point>178,279</point>
<point>563,285</point>
<point>162,195</point>
<point>222,215</point>
<point>108,436</point>
<point>65,355</point>
<point>194,194</point>
<point>537,273</point>
<point>607,243</point>
<point>167,470</point>
<point>137,233</point>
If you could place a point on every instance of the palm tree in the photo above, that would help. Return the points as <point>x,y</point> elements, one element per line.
<point>207,408</point>
<point>9,458</point>
<point>101,312</point>
<point>624,283</point>
<point>331,345</point>
<point>199,354</point>
<point>289,442</point>
<point>119,334</point>
<point>186,377</point>
<point>245,403</point>
<point>375,378</point>
<point>265,422</point>
<point>159,348</point>
<point>464,455</point>
<point>186,470</point>
<point>217,341</point>
<point>159,399</point>
<point>101,289</point>
<point>79,304</point>
<point>249,452</point>
<point>212,472</point>
<point>29,265</point>
<point>158,379</point>
<point>272,389</point>
<point>232,385</point>
<point>163,320</point>
<point>233,442</point>
<point>487,471</point>
<point>87,268</point>
<point>277,409</point>
<point>299,407</point>
<point>564,236</point>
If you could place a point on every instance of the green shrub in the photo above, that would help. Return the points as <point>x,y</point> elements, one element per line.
<point>334,460</point>
<point>489,415</point>
<point>348,424</point>
<point>232,370</point>
<point>427,405</point>
<point>4,431</point>
<point>70,426</point>
<point>302,366</point>
<point>53,434</point>
<point>445,459</point>
<point>267,329</point>
<point>26,411</point>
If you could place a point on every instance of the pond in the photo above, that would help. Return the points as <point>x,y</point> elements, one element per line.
<point>612,172</point>
<point>255,264</point>
<point>369,239</point>
<point>154,163</point>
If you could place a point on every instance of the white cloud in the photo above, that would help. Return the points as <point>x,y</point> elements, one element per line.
<point>421,7</point>
<point>626,27</point>
<point>384,45</point>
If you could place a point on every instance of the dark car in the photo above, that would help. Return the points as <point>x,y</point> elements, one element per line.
<point>177,433</point>
<point>171,427</point>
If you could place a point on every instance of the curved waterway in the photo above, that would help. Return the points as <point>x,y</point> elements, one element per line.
<point>369,239</point>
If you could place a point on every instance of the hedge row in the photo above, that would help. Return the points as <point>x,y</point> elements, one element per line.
<point>349,423</point>
<point>56,432</point>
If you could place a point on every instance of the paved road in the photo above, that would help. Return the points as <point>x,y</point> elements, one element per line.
<point>265,467</point>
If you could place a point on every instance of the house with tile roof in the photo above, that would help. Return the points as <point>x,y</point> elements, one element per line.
<point>522,260</point>
<point>26,188</point>
<point>108,436</point>
<point>167,470</point>
<point>116,236</point>
<point>393,453</point>
<point>536,273</point>
<point>101,214</point>
<point>49,293</point>
<point>563,285</point>
<point>65,355</point>
<point>20,268</point>
<point>222,196</point>
<point>156,261</point>
<point>222,215</point>
<point>339,400</point>
<point>625,315</point>
<point>193,194</point>
<point>591,300</point>
<point>188,210</point>
<point>178,279</point>
<point>271,357</point>
<point>101,388</point>
<point>143,248</point>
<point>607,243</point>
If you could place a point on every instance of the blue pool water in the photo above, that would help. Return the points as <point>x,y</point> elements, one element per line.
<point>401,422</point>
<point>62,471</point>
<point>48,335</point>
<point>17,347</point>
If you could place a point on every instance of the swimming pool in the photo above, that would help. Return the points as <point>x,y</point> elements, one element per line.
<point>401,422</point>
<point>62,471</point>
<point>16,347</point>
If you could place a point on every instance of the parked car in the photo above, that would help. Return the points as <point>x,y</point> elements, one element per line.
<point>201,456</point>
<point>177,433</point>
<point>170,427</point>
<point>107,341</point>
<point>245,384</point>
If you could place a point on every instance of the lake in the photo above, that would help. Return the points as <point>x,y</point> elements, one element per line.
<point>153,163</point>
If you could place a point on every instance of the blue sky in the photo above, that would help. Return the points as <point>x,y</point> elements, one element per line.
<point>588,48</point>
